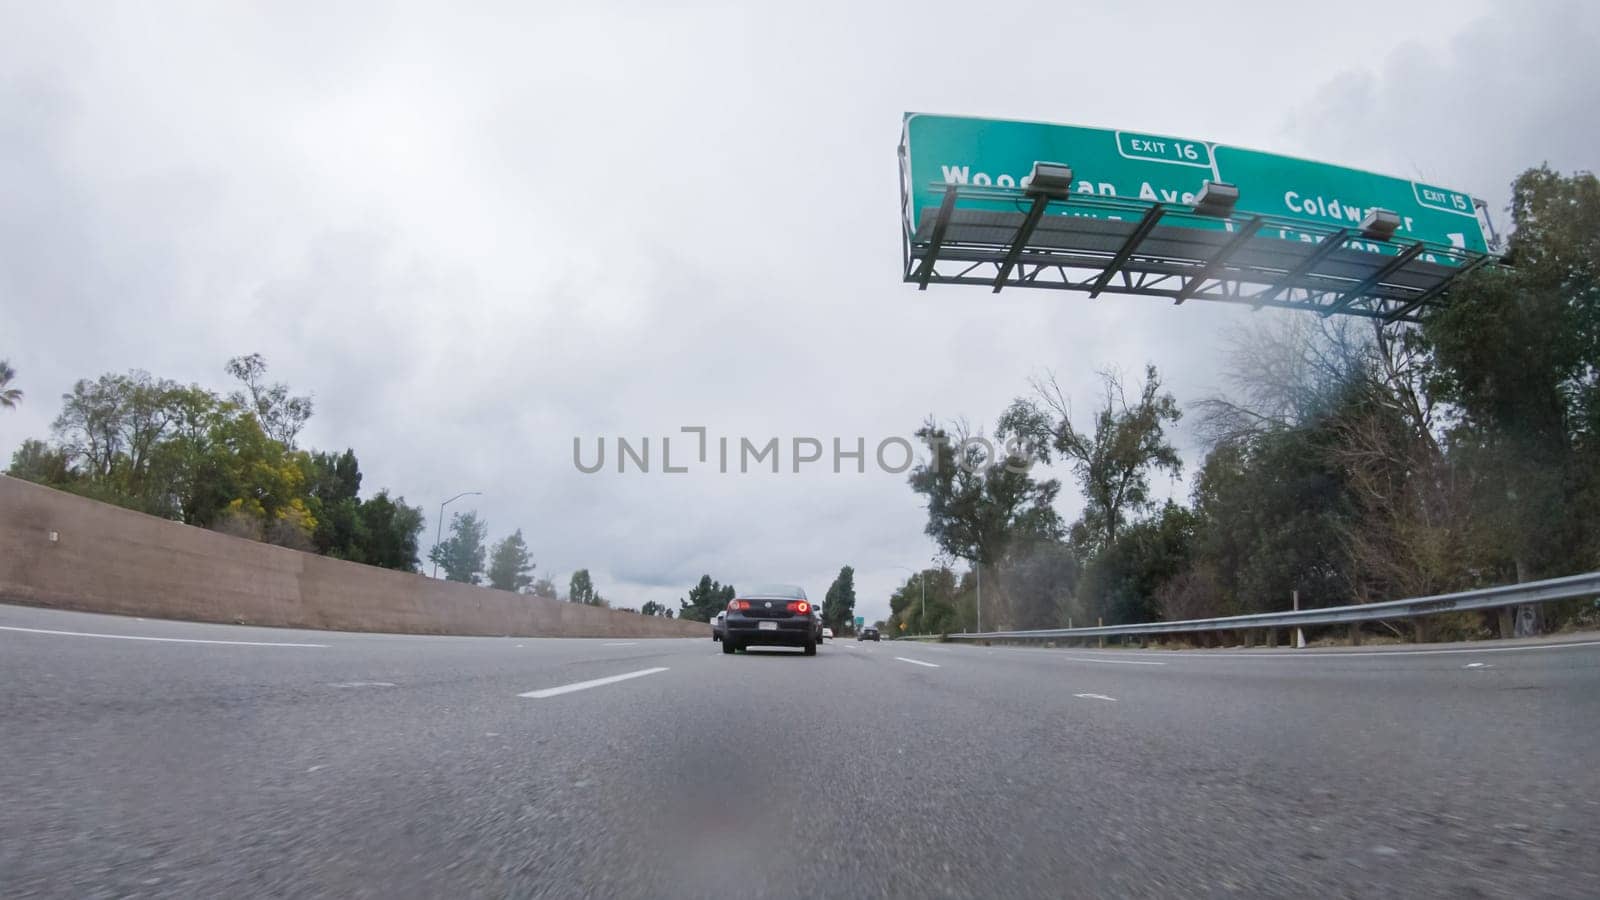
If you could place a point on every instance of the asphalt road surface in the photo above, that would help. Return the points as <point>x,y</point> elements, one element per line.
<point>238,762</point>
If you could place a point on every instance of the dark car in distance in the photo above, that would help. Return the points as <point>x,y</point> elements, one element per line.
<point>772,615</point>
<point>716,626</point>
<point>869,633</point>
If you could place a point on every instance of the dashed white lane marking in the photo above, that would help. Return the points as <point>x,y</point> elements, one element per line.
<point>917,662</point>
<point>163,640</point>
<point>620,644</point>
<point>1119,662</point>
<point>1477,666</point>
<point>1096,697</point>
<point>593,683</point>
<point>353,684</point>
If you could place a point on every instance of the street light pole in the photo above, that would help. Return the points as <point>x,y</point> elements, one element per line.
<point>438,533</point>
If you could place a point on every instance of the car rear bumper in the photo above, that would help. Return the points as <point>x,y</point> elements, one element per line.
<point>796,632</point>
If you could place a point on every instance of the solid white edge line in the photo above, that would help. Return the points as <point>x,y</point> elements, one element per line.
<point>164,640</point>
<point>917,662</point>
<point>1120,662</point>
<point>621,644</point>
<point>593,683</point>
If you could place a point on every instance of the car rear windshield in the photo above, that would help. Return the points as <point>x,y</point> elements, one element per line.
<point>782,591</point>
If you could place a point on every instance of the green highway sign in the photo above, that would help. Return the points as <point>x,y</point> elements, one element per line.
<point>860,621</point>
<point>944,150</point>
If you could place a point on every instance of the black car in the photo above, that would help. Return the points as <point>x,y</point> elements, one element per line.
<point>773,615</point>
<point>869,633</point>
<point>716,626</point>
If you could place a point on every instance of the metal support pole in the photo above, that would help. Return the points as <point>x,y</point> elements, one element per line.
<point>940,226</point>
<point>438,533</point>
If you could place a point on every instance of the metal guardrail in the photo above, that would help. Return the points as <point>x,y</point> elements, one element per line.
<point>1568,588</point>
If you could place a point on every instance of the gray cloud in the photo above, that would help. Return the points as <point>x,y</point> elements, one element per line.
<point>1470,108</point>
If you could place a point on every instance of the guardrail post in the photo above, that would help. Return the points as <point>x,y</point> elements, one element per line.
<point>1355,634</point>
<point>1249,637</point>
<point>1272,637</point>
<point>1100,623</point>
<point>1506,622</point>
<point>1421,630</point>
<point>1144,642</point>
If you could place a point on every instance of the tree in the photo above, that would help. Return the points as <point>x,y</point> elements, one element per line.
<point>1036,584</point>
<point>543,587</point>
<point>706,599</point>
<point>1288,372</point>
<point>1515,351</point>
<point>934,590</point>
<point>93,425</point>
<point>38,462</point>
<point>462,553</point>
<point>189,466</point>
<point>580,589</point>
<point>335,476</point>
<point>9,396</point>
<point>334,484</point>
<point>511,567</point>
<point>653,608</point>
<point>1113,462</point>
<point>281,415</point>
<point>390,530</point>
<point>341,531</point>
<point>1272,511</point>
<point>976,505</point>
<point>185,453</point>
<point>839,606</point>
<point>979,507</point>
<point>1123,580</point>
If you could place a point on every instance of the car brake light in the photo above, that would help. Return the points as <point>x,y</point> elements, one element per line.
<point>799,606</point>
<point>738,604</point>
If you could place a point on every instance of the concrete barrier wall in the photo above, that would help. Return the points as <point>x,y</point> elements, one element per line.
<point>69,552</point>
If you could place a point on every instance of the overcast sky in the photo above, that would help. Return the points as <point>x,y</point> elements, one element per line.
<point>473,236</point>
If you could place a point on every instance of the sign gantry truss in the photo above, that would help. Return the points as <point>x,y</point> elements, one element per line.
<point>1100,245</point>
